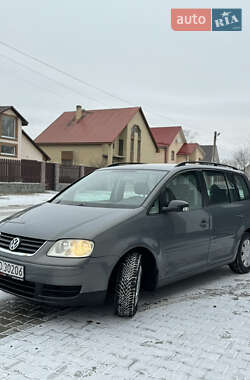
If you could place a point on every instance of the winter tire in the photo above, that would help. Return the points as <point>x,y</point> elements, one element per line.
<point>241,263</point>
<point>128,285</point>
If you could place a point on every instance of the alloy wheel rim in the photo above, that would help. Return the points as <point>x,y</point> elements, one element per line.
<point>245,253</point>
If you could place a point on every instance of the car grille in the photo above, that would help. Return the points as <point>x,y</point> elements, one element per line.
<point>60,291</point>
<point>37,290</point>
<point>27,245</point>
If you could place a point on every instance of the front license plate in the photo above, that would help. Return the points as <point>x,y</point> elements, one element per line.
<point>12,270</point>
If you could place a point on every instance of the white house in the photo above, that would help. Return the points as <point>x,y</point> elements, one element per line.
<point>15,143</point>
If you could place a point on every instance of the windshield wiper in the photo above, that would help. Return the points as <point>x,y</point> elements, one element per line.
<point>71,203</point>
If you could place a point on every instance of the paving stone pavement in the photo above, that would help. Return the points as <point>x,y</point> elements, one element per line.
<point>198,328</point>
<point>194,329</point>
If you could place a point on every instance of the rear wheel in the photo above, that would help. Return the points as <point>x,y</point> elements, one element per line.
<point>128,284</point>
<point>241,263</point>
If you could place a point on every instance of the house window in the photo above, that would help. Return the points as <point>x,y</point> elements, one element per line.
<point>67,162</point>
<point>8,150</point>
<point>120,151</point>
<point>172,155</point>
<point>8,127</point>
<point>135,130</point>
<point>67,158</point>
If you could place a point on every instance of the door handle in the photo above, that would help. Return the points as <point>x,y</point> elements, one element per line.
<point>204,223</point>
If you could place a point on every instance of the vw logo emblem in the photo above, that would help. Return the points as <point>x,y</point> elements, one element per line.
<point>14,243</point>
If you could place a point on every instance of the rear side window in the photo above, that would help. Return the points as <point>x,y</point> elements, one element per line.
<point>233,191</point>
<point>242,187</point>
<point>217,189</point>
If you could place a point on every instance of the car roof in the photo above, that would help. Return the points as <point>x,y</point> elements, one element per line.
<point>164,167</point>
<point>173,167</point>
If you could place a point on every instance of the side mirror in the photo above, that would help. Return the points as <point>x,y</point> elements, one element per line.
<point>176,206</point>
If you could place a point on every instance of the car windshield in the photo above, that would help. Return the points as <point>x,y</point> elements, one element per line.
<point>112,188</point>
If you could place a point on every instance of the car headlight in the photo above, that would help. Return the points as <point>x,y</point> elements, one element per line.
<point>71,248</point>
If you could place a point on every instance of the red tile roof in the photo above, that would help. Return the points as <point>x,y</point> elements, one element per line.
<point>188,149</point>
<point>95,126</point>
<point>165,135</point>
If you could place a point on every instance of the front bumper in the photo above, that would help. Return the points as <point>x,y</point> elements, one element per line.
<point>51,294</point>
<point>59,281</point>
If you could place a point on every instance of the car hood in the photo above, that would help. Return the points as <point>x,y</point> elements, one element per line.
<point>50,221</point>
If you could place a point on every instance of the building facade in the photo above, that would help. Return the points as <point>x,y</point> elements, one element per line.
<point>11,123</point>
<point>15,144</point>
<point>174,147</point>
<point>100,137</point>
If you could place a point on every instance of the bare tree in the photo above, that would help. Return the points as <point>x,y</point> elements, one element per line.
<point>190,135</point>
<point>228,161</point>
<point>241,158</point>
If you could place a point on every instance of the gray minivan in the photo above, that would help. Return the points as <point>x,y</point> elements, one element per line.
<point>127,227</point>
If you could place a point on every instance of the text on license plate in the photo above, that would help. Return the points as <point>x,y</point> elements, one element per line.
<point>12,270</point>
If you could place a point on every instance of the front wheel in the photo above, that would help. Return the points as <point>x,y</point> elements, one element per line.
<point>241,263</point>
<point>128,284</point>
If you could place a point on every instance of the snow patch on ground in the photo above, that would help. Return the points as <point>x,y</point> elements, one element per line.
<point>25,200</point>
<point>13,203</point>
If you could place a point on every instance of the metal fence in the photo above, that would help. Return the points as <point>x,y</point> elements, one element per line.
<point>50,176</point>
<point>30,171</point>
<point>69,173</point>
<point>10,170</point>
<point>88,170</point>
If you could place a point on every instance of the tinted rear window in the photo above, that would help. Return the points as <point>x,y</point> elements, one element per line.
<point>233,190</point>
<point>242,187</point>
<point>217,189</point>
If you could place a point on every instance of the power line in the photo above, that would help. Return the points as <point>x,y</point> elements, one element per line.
<point>63,72</point>
<point>49,78</point>
<point>31,83</point>
<point>70,75</point>
<point>80,80</point>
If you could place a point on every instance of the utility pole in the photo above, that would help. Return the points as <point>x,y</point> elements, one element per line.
<point>216,134</point>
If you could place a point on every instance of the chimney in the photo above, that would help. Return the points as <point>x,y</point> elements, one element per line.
<point>79,112</point>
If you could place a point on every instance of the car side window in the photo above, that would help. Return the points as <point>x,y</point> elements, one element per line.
<point>155,208</point>
<point>184,187</point>
<point>217,189</point>
<point>233,191</point>
<point>242,187</point>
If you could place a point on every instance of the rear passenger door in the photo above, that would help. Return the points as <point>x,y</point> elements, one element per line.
<point>226,215</point>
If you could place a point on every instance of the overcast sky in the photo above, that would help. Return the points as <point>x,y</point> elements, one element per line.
<point>200,80</point>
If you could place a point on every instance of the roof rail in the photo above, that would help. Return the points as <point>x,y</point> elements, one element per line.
<point>124,163</point>
<point>206,163</point>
